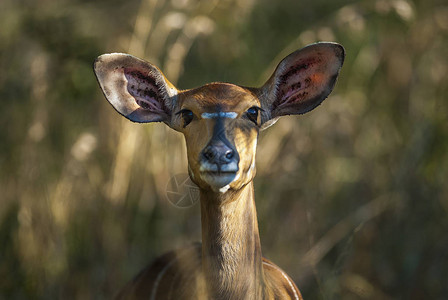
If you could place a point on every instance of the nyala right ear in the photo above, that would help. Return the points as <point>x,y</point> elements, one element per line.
<point>301,81</point>
<point>136,89</point>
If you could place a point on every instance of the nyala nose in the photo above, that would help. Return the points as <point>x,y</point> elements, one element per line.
<point>219,153</point>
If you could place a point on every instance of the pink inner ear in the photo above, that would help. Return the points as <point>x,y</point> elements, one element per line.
<point>144,90</point>
<point>294,83</point>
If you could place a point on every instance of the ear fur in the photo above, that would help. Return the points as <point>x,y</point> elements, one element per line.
<point>135,88</point>
<point>301,81</point>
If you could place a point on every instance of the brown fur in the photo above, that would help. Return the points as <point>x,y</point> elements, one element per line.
<point>184,272</point>
<point>229,263</point>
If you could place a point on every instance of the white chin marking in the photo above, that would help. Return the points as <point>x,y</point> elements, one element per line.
<point>224,189</point>
<point>229,114</point>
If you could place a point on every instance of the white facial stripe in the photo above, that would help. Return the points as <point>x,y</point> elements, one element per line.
<point>229,114</point>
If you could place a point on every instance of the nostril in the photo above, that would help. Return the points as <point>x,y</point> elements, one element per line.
<point>218,154</point>
<point>229,154</point>
<point>208,154</point>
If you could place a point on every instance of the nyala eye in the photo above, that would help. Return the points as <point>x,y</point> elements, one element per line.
<point>252,114</point>
<point>187,116</point>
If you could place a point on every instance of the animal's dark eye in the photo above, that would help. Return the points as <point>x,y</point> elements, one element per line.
<point>252,114</point>
<point>187,116</point>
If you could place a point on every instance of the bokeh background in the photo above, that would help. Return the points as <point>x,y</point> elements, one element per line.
<point>352,198</point>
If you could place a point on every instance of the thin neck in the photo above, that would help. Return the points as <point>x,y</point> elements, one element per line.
<point>231,251</point>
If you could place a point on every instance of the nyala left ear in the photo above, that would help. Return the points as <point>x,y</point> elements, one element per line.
<point>137,89</point>
<point>301,81</point>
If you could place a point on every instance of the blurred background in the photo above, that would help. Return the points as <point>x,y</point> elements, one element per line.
<point>352,198</point>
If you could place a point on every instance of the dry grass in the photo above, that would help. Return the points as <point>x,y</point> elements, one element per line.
<point>351,198</point>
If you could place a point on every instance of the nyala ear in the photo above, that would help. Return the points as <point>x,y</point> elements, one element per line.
<point>301,81</point>
<point>135,88</point>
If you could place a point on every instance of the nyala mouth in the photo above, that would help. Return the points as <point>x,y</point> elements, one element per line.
<point>207,167</point>
<point>217,179</point>
<point>219,173</point>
